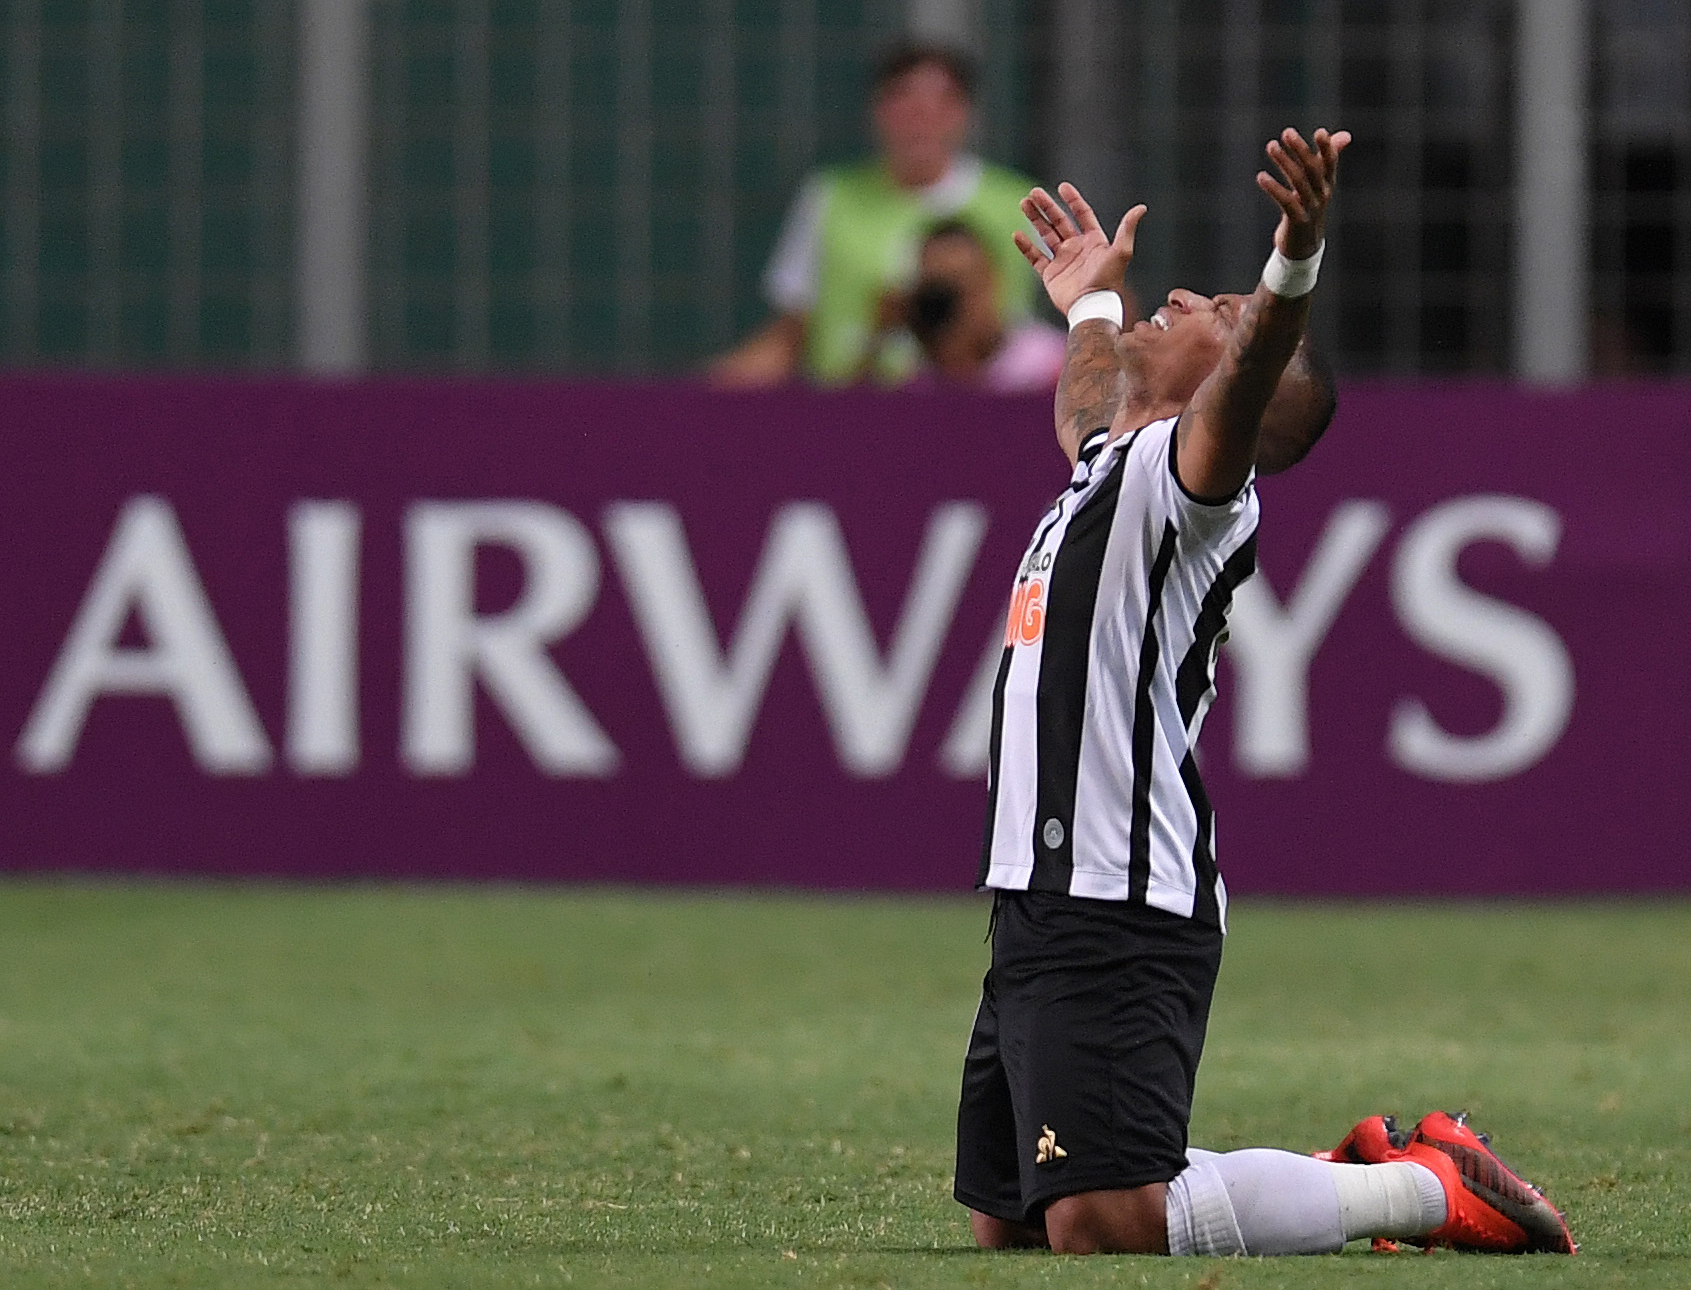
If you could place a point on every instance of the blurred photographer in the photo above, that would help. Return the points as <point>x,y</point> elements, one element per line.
<point>952,311</point>
<point>852,232</point>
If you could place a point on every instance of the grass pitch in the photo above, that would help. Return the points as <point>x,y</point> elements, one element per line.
<point>269,1086</point>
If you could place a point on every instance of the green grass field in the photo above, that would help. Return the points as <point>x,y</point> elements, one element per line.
<point>274,1086</point>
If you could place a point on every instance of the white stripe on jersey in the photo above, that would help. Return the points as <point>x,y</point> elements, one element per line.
<point>1121,603</point>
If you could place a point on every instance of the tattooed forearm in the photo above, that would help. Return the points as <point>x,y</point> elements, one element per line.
<point>1092,385</point>
<point>1232,400</point>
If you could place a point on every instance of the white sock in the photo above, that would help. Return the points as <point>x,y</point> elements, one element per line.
<point>1394,1200</point>
<point>1278,1202</point>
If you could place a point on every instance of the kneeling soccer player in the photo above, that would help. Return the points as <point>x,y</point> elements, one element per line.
<point>1108,911</point>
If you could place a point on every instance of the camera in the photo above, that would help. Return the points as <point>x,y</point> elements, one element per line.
<point>934,306</point>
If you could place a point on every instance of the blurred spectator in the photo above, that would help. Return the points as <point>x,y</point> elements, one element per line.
<point>851,236</point>
<point>952,311</point>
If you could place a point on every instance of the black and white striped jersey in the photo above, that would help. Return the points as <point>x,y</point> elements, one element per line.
<point>1109,667</point>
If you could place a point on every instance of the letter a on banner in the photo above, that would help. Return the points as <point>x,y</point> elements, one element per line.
<point>147,570</point>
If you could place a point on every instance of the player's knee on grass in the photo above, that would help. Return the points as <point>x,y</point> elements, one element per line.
<point>1001,1234</point>
<point>1131,1221</point>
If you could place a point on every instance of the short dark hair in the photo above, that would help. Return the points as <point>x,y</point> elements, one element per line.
<point>907,56</point>
<point>954,227</point>
<point>1313,364</point>
<point>1286,440</point>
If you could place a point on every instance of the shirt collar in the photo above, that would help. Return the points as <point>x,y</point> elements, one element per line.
<point>953,190</point>
<point>1092,447</point>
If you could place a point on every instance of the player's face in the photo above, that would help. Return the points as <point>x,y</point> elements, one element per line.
<point>921,119</point>
<point>1180,344</point>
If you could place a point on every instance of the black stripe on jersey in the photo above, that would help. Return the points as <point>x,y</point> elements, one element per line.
<point>996,744</point>
<point>1145,724</point>
<point>1196,676</point>
<point>1093,444</point>
<point>1192,682</point>
<point>1063,663</point>
<point>1205,907</point>
<point>995,748</point>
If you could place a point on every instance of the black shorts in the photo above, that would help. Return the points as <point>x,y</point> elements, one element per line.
<point>1080,1069</point>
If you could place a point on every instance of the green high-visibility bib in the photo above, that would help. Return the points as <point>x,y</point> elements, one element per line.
<point>870,234</point>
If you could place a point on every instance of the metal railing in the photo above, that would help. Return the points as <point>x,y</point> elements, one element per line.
<point>594,185</point>
<point>148,152</point>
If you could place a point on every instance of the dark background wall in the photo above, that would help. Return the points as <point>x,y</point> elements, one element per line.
<point>593,185</point>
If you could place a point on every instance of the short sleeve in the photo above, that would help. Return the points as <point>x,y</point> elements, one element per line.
<point>1193,514</point>
<point>790,280</point>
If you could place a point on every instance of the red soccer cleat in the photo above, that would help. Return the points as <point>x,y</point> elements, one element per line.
<point>1485,1178</point>
<point>1470,1222</point>
<point>1374,1141</point>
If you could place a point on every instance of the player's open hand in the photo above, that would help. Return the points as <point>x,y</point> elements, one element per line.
<point>1073,256</point>
<point>1309,174</point>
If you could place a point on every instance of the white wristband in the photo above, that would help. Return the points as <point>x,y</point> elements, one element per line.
<point>1096,304</point>
<point>1291,278</point>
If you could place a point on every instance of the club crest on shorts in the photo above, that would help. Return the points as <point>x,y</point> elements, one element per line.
<point>1048,1148</point>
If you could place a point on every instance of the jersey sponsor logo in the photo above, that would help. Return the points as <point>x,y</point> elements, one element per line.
<point>1027,614</point>
<point>1048,1148</point>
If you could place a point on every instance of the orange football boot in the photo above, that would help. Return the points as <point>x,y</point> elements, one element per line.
<point>1543,1227</point>
<point>1374,1141</point>
<point>1470,1222</point>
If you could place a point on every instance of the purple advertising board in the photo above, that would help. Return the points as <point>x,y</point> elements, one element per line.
<point>612,633</point>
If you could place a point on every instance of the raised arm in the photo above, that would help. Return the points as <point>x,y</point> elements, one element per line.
<point>1091,386</point>
<point>1217,437</point>
<point>1074,258</point>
